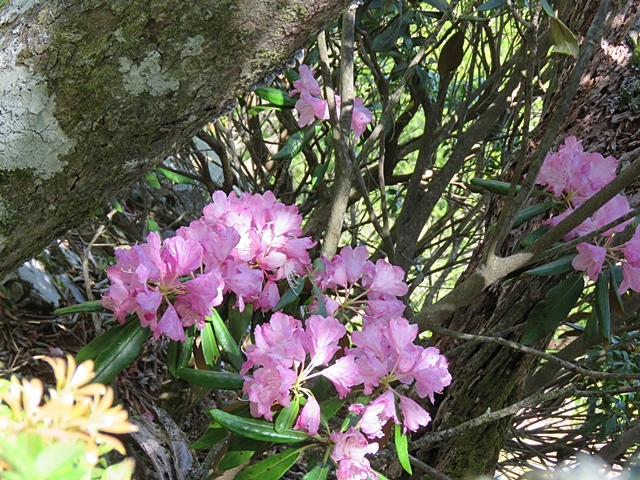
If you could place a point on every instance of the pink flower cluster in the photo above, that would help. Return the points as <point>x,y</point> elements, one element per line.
<point>241,245</point>
<point>575,176</point>
<point>382,355</point>
<point>311,104</point>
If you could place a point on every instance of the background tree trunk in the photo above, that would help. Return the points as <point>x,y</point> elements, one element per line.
<point>490,377</point>
<point>94,94</point>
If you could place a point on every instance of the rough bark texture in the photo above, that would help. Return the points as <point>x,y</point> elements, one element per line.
<point>93,94</point>
<point>605,115</point>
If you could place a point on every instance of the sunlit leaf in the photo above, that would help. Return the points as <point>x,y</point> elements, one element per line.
<point>402,448</point>
<point>272,467</point>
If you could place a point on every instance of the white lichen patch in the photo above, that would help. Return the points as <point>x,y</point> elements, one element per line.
<point>147,76</point>
<point>30,135</point>
<point>192,47</point>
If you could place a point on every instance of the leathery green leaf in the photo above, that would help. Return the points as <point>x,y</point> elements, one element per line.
<point>402,448</point>
<point>602,308</point>
<point>121,352</point>
<point>228,347</point>
<point>256,429</point>
<point>272,467</point>
<point>548,314</point>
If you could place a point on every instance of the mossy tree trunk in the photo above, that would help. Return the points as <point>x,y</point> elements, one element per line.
<point>94,94</point>
<point>604,114</point>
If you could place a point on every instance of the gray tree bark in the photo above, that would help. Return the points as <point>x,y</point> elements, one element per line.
<point>93,94</point>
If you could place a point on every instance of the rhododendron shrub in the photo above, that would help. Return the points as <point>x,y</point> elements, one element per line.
<point>573,176</point>
<point>332,326</point>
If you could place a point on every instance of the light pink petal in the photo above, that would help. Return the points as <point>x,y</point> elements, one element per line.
<point>309,419</point>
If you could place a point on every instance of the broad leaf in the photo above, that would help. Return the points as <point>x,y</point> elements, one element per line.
<point>55,457</point>
<point>556,267</point>
<point>175,177</point>
<point>213,380</point>
<point>228,347</point>
<point>402,448</point>
<point>179,354</point>
<point>440,5</point>
<point>210,349</point>
<point>531,212</point>
<point>152,180</point>
<point>330,407</point>
<point>501,188</point>
<point>256,429</point>
<point>548,314</point>
<point>239,322</point>
<point>275,96</point>
<point>563,39</point>
<point>121,352</point>
<point>92,349</point>
<point>290,296</point>
<point>491,5</point>
<point>451,54</point>
<point>239,450</point>
<point>601,306</point>
<point>272,467</point>
<point>86,307</point>
<point>614,296</point>
<point>319,472</point>
<point>287,416</point>
<point>295,143</point>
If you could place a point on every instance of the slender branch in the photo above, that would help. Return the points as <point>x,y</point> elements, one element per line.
<point>534,399</point>
<point>341,129</point>
<point>537,353</point>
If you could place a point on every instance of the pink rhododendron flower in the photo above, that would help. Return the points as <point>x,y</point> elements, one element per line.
<point>631,249</point>
<point>377,414</point>
<point>309,108</point>
<point>321,338</point>
<point>360,118</point>
<point>306,82</point>
<point>309,419</point>
<point>343,374</point>
<point>269,384</point>
<point>413,415</point>
<point>631,278</point>
<point>349,451</point>
<point>590,258</point>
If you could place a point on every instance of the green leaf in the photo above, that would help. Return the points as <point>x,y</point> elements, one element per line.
<point>239,450</point>
<point>322,309</point>
<point>490,5</point>
<point>591,329</point>
<point>501,188</point>
<point>262,108</point>
<point>532,211</point>
<point>92,349</point>
<point>210,349</point>
<point>563,39</point>
<point>121,352</point>
<point>275,96</point>
<point>601,307</point>
<point>560,265</point>
<point>175,177</point>
<point>179,354</point>
<point>440,5</point>
<point>239,322</point>
<point>256,429</point>
<point>295,143</point>
<point>152,180</point>
<point>548,314</point>
<point>533,236</point>
<point>402,448</point>
<point>86,307</point>
<point>152,225</point>
<point>451,54</point>
<point>330,407</point>
<point>213,380</point>
<point>272,467</point>
<point>120,471</point>
<point>212,435</point>
<point>287,416</point>
<point>116,204</point>
<point>319,472</point>
<point>614,295</point>
<point>57,456</point>
<point>228,347</point>
<point>290,296</point>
